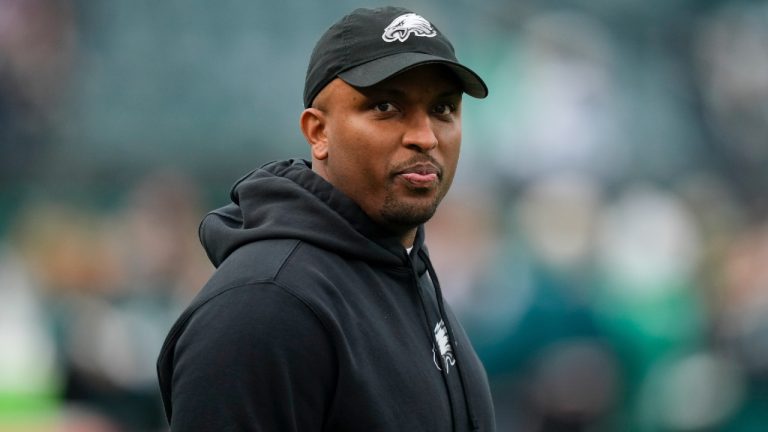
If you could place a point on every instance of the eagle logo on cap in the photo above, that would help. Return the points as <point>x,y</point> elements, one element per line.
<point>402,27</point>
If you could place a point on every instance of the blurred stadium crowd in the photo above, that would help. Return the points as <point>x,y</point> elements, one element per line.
<point>606,240</point>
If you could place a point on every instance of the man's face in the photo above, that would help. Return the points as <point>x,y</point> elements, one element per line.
<point>393,147</point>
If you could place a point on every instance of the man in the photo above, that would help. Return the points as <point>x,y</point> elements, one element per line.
<point>325,313</point>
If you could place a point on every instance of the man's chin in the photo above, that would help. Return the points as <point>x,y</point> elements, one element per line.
<point>407,215</point>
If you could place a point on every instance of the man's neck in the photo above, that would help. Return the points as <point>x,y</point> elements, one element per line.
<point>408,238</point>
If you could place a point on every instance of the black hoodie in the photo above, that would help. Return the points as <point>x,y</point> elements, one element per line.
<point>316,319</point>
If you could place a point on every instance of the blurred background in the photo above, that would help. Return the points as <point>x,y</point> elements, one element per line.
<point>606,240</point>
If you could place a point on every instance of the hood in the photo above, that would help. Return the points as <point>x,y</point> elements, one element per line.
<point>287,200</point>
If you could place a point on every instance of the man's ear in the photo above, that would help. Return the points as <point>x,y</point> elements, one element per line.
<point>313,124</point>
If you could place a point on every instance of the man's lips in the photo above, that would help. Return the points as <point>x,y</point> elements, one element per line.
<point>420,175</point>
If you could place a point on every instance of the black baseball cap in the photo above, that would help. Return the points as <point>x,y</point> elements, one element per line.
<point>370,45</point>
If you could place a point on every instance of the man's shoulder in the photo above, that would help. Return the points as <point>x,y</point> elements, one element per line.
<point>244,283</point>
<point>311,275</point>
<point>293,265</point>
<point>273,259</point>
<point>255,262</point>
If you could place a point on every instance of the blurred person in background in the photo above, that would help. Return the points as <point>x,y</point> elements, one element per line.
<point>88,296</point>
<point>66,269</point>
<point>114,334</point>
<point>325,312</point>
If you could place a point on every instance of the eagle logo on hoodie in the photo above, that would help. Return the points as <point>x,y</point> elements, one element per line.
<point>446,352</point>
<point>402,27</point>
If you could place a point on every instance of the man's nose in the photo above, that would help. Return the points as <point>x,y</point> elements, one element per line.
<point>419,133</point>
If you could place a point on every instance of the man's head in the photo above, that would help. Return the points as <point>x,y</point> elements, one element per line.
<point>370,45</point>
<point>383,113</point>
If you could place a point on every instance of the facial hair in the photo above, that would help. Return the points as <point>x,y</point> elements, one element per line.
<point>404,215</point>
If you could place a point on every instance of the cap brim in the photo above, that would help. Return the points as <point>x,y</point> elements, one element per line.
<point>376,71</point>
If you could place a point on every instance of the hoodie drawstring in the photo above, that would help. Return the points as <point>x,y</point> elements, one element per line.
<point>451,336</point>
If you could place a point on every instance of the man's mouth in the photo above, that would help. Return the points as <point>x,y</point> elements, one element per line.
<point>420,175</point>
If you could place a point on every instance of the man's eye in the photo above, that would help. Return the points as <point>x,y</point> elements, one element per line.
<point>444,109</point>
<point>384,107</point>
